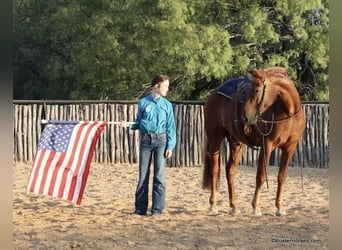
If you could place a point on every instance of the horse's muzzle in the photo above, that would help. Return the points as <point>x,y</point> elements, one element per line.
<point>249,120</point>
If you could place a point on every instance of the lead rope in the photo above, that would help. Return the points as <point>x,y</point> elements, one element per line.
<point>263,141</point>
<point>264,146</point>
<point>301,170</point>
<point>269,132</point>
<point>301,177</point>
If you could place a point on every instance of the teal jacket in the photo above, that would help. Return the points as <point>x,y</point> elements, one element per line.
<point>156,116</point>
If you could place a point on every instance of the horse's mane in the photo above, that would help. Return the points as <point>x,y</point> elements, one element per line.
<point>280,76</point>
<point>276,72</point>
<point>271,73</point>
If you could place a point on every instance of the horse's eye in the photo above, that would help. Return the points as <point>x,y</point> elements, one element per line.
<point>257,91</point>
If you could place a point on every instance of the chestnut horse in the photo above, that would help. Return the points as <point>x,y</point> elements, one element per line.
<point>264,112</point>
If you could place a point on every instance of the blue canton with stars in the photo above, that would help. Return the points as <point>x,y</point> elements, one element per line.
<point>56,137</point>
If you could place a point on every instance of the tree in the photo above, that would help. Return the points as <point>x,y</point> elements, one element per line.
<point>103,49</point>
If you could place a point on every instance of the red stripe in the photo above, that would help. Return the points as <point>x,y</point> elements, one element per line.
<point>66,170</point>
<point>45,170</point>
<point>58,165</point>
<point>90,156</point>
<point>36,165</point>
<point>79,162</point>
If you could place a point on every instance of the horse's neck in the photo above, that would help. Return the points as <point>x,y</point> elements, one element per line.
<point>289,96</point>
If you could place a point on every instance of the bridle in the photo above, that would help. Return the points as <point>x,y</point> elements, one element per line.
<point>258,106</point>
<point>258,110</point>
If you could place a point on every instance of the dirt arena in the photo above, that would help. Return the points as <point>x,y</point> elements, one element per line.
<point>105,218</point>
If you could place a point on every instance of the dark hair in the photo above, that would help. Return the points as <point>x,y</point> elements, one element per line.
<point>159,78</point>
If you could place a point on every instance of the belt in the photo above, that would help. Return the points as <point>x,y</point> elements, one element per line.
<point>153,135</point>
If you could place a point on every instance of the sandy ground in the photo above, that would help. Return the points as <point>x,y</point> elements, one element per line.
<point>105,218</point>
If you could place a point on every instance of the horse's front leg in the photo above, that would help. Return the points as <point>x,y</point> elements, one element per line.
<point>286,156</point>
<point>231,169</point>
<point>264,156</point>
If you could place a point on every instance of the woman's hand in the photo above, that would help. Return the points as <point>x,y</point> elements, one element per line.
<point>168,153</point>
<point>123,124</point>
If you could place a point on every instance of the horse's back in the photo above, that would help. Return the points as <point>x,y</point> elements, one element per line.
<point>216,111</point>
<point>212,106</point>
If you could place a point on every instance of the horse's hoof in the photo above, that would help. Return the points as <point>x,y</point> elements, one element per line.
<point>213,211</point>
<point>280,213</point>
<point>257,213</point>
<point>234,211</point>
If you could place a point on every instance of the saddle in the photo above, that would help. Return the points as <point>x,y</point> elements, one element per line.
<point>230,87</point>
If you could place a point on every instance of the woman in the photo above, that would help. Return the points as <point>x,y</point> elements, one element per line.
<point>155,121</point>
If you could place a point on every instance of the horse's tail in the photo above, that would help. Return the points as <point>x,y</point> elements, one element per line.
<point>207,171</point>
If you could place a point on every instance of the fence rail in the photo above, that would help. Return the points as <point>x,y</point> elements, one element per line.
<point>121,145</point>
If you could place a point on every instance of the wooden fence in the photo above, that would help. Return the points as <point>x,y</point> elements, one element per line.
<point>121,145</point>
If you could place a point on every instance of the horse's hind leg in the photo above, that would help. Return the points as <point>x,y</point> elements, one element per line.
<point>286,156</point>
<point>215,175</point>
<point>231,169</point>
<point>211,171</point>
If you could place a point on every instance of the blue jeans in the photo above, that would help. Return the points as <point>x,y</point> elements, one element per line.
<point>151,146</point>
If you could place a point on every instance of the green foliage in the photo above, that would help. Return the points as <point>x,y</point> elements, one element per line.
<point>103,49</point>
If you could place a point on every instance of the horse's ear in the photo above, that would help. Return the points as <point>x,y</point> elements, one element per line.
<point>256,73</point>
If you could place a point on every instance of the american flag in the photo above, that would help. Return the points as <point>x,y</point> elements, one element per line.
<point>62,161</point>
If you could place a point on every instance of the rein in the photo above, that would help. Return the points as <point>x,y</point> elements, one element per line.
<point>269,132</point>
<point>279,120</point>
